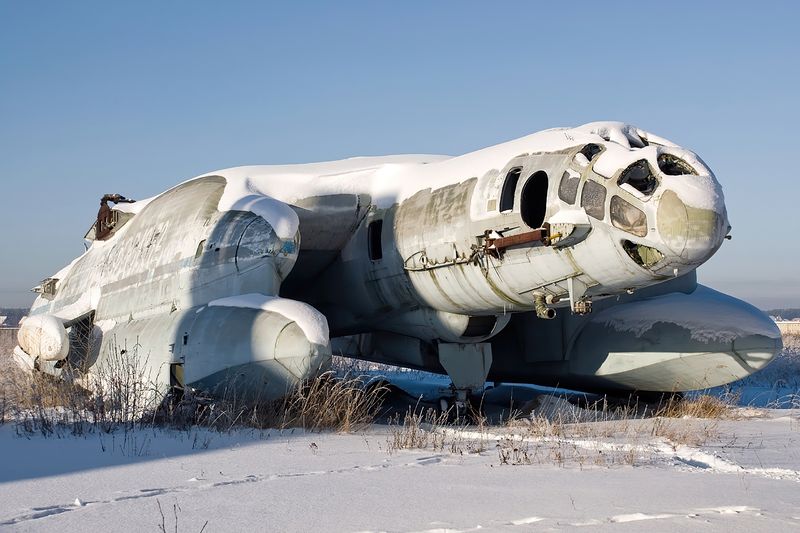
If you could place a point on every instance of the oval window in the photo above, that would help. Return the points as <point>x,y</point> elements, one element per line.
<point>533,201</point>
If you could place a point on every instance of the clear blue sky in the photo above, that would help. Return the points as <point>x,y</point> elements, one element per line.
<point>132,97</point>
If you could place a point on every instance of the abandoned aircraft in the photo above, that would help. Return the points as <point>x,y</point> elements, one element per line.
<point>566,257</point>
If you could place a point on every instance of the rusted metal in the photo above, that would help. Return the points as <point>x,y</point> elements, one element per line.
<point>496,246</point>
<point>106,218</point>
<point>582,307</point>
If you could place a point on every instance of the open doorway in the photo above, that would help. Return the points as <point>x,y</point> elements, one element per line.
<point>534,200</point>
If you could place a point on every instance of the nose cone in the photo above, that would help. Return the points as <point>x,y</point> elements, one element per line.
<point>257,353</point>
<point>693,232</point>
<point>758,350</point>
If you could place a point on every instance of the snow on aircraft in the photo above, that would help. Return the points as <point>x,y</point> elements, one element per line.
<point>566,257</point>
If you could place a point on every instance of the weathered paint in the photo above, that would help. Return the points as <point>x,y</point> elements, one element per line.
<point>148,285</point>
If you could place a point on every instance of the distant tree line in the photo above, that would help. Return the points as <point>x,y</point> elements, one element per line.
<point>786,314</point>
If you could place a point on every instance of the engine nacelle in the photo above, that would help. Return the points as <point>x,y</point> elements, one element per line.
<point>44,336</point>
<point>253,346</point>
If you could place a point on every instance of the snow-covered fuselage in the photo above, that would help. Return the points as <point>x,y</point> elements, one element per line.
<point>565,257</point>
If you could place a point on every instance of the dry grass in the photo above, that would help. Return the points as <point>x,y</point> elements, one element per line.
<point>434,430</point>
<point>557,432</point>
<point>122,396</point>
<point>791,342</point>
<point>553,432</point>
<point>700,407</point>
<point>325,403</point>
<point>330,403</point>
<point>119,394</point>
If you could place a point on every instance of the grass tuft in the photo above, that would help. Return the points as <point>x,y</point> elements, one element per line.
<point>704,406</point>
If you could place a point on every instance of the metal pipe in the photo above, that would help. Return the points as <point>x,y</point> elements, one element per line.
<point>540,305</point>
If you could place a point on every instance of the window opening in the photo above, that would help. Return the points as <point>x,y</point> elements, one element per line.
<point>509,189</point>
<point>627,217</point>
<point>639,177</point>
<point>593,199</point>
<point>675,166</point>
<point>642,255</point>
<point>568,188</point>
<point>534,200</point>
<point>591,150</point>
<point>374,240</point>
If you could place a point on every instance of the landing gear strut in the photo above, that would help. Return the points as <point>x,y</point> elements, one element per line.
<point>467,365</point>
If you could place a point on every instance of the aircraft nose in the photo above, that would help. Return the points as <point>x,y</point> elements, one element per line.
<point>693,233</point>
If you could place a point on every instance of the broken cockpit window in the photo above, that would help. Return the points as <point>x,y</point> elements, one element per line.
<point>675,166</point>
<point>642,255</point>
<point>627,217</point>
<point>591,150</point>
<point>639,176</point>
<point>568,188</point>
<point>593,199</point>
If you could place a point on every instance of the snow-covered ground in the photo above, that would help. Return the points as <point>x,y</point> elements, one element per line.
<point>745,476</point>
<point>737,473</point>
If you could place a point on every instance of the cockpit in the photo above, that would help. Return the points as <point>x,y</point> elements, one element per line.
<point>646,200</point>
